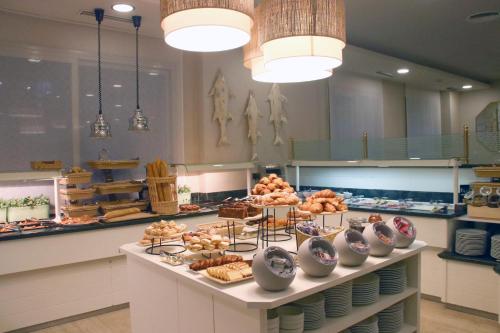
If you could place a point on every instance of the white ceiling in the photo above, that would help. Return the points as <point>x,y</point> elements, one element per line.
<point>433,33</point>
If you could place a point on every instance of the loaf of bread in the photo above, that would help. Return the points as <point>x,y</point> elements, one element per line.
<point>206,263</point>
<point>121,212</point>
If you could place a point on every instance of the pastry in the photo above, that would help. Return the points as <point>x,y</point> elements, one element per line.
<point>271,184</point>
<point>204,264</point>
<point>316,208</point>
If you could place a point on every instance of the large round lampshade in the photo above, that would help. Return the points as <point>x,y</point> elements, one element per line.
<point>306,34</point>
<point>206,25</point>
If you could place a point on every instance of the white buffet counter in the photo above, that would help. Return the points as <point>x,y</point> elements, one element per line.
<point>165,298</point>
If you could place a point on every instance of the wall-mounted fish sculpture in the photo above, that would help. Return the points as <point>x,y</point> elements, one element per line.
<point>278,114</point>
<point>220,95</point>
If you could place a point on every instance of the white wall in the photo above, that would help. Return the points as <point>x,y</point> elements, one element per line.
<point>394,109</point>
<point>423,112</point>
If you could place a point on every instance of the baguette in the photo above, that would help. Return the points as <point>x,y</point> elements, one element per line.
<point>121,212</point>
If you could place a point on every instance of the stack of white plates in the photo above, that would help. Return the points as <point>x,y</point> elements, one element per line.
<point>314,311</point>
<point>369,325</point>
<point>365,290</point>
<point>471,242</point>
<point>393,279</point>
<point>391,319</point>
<point>273,322</point>
<point>495,247</point>
<point>338,300</point>
<point>291,319</point>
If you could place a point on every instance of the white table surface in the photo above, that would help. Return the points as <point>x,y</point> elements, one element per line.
<point>248,294</point>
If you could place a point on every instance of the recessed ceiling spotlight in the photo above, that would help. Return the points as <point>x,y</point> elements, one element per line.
<point>415,158</point>
<point>34,60</point>
<point>467,86</point>
<point>28,87</point>
<point>482,17</point>
<point>122,8</point>
<point>403,71</point>
<point>89,95</point>
<point>153,73</point>
<point>118,105</point>
<point>117,85</point>
<point>1,83</point>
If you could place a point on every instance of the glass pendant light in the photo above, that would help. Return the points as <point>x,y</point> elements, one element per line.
<point>253,58</point>
<point>100,128</point>
<point>303,35</point>
<point>138,122</point>
<point>206,25</point>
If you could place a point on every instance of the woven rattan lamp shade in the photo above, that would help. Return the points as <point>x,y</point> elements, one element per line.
<point>307,34</point>
<point>206,25</point>
<point>253,58</point>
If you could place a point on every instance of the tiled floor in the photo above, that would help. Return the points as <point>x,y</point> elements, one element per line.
<point>435,319</point>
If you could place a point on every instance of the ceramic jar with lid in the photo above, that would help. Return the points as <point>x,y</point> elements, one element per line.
<point>273,268</point>
<point>352,247</point>
<point>404,231</point>
<point>317,257</point>
<point>381,238</point>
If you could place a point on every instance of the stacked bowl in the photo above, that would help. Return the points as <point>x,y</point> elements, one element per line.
<point>471,242</point>
<point>291,319</point>
<point>314,311</point>
<point>338,300</point>
<point>369,325</point>
<point>391,319</point>
<point>495,247</point>
<point>365,290</point>
<point>393,279</point>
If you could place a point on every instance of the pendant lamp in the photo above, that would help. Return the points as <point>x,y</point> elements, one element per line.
<point>100,128</point>
<point>138,122</point>
<point>253,58</point>
<point>206,25</point>
<point>303,34</point>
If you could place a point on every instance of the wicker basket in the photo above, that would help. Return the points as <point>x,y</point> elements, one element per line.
<point>71,194</point>
<point>163,194</point>
<point>46,165</point>
<point>113,164</point>
<point>301,237</point>
<point>78,211</point>
<point>76,178</point>
<point>487,172</point>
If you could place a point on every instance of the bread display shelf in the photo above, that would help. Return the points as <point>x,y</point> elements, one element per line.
<point>76,178</point>
<point>483,212</point>
<point>46,165</point>
<point>118,187</point>
<point>136,216</point>
<point>488,172</point>
<point>113,164</point>
<point>80,210</point>
<point>109,206</point>
<point>72,194</point>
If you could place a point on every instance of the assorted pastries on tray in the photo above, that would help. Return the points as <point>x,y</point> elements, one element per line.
<point>271,184</point>
<point>238,210</point>
<point>162,230</point>
<point>200,241</point>
<point>206,263</point>
<point>277,199</point>
<point>189,208</point>
<point>81,220</point>
<point>231,272</point>
<point>325,201</point>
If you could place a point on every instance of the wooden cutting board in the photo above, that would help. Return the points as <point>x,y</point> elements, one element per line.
<point>130,217</point>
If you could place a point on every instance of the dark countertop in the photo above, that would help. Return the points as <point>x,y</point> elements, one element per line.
<point>482,260</point>
<point>408,212</point>
<point>205,211</point>
<point>70,229</point>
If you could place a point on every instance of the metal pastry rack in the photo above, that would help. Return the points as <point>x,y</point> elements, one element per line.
<point>159,248</point>
<point>275,236</point>
<point>234,246</point>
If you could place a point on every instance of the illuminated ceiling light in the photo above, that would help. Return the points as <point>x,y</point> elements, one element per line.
<point>153,73</point>
<point>206,25</point>
<point>467,86</point>
<point>403,71</point>
<point>34,60</point>
<point>117,85</point>
<point>253,58</point>
<point>303,34</point>
<point>89,95</point>
<point>415,158</point>
<point>118,105</point>
<point>122,8</point>
<point>28,87</point>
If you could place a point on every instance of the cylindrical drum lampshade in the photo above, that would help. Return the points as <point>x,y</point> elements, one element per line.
<point>306,34</point>
<point>253,58</point>
<point>206,25</point>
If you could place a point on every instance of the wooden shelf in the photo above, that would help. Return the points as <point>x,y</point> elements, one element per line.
<point>215,167</point>
<point>29,175</point>
<point>360,313</point>
<point>467,218</point>
<point>379,164</point>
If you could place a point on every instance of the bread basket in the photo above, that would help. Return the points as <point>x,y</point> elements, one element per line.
<point>326,234</point>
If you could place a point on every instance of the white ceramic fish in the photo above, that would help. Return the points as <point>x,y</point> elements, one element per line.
<point>253,114</point>
<point>278,114</point>
<point>220,95</point>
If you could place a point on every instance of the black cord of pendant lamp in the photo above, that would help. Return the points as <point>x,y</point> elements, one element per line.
<point>99,15</point>
<point>137,23</point>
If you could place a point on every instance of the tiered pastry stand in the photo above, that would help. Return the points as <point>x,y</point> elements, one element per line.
<point>163,246</point>
<point>325,214</point>
<point>71,195</point>
<point>107,167</point>
<point>263,230</point>
<point>235,246</point>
